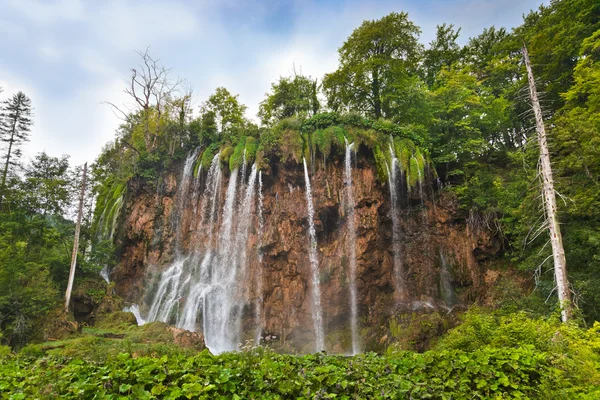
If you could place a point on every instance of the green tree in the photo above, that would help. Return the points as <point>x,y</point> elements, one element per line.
<point>27,293</point>
<point>290,96</point>
<point>47,185</point>
<point>554,35</point>
<point>15,125</point>
<point>373,61</point>
<point>443,51</point>
<point>226,108</point>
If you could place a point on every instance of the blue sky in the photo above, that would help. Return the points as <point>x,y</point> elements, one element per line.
<point>71,55</point>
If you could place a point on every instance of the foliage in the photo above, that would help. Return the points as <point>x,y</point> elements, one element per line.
<point>290,97</point>
<point>15,125</point>
<point>27,292</point>
<point>374,63</point>
<point>225,107</point>
<point>528,371</point>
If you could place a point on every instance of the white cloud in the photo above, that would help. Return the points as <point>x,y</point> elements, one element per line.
<point>84,61</point>
<point>48,12</point>
<point>50,52</point>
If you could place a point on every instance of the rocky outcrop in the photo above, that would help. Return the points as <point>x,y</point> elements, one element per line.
<point>442,256</point>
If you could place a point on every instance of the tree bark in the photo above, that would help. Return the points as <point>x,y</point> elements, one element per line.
<point>75,241</point>
<point>558,252</point>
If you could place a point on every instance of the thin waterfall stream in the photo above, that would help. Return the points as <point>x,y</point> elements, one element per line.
<point>317,313</point>
<point>392,171</point>
<point>258,306</point>
<point>351,246</point>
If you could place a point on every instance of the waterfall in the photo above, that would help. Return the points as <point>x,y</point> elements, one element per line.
<point>104,273</point>
<point>211,196</point>
<point>182,194</point>
<point>314,265</point>
<point>135,310</point>
<point>351,247</point>
<point>206,287</point>
<point>259,279</point>
<point>244,166</point>
<point>166,299</point>
<point>446,289</point>
<point>196,193</point>
<point>393,182</point>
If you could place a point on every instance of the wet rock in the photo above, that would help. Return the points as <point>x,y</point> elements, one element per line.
<point>147,247</point>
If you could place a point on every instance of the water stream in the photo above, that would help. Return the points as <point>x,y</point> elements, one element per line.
<point>351,246</point>
<point>314,266</point>
<point>393,183</point>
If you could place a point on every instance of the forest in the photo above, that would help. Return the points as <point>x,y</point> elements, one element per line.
<point>459,122</point>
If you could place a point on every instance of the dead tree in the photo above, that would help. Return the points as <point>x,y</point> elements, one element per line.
<point>558,252</point>
<point>76,241</point>
<point>151,88</point>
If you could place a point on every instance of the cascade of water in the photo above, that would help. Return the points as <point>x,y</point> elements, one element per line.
<point>259,279</point>
<point>104,273</point>
<point>196,194</point>
<point>238,274</point>
<point>446,289</point>
<point>351,247</point>
<point>217,311</point>
<point>420,182</point>
<point>135,310</point>
<point>243,177</point>
<point>393,182</point>
<point>314,264</point>
<point>182,193</point>
<point>195,298</point>
<point>166,299</point>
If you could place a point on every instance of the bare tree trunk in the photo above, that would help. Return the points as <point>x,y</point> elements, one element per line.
<point>76,241</point>
<point>558,252</point>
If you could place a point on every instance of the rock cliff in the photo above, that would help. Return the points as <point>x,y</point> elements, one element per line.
<point>442,257</point>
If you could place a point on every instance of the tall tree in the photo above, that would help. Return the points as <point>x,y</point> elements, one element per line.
<point>47,185</point>
<point>290,96</point>
<point>226,108</point>
<point>76,240</point>
<point>151,88</point>
<point>375,56</point>
<point>373,60</point>
<point>443,51</point>
<point>558,251</point>
<point>15,125</point>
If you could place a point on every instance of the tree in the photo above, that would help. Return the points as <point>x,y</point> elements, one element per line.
<point>151,87</point>
<point>47,185</point>
<point>558,251</point>
<point>226,108</point>
<point>15,125</point>
<point>443,51</point>
<point>290,96</point>
<point>375,56</point>
<point>554,35</point>
<point>76,241</point>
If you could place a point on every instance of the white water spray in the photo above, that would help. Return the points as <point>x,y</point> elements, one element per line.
<point>314,265</point>
<point>258,306</point>
<point>393,183</point>
<point>351,247</point>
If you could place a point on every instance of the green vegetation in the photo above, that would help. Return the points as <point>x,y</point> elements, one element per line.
<point>487,356</point>
<point>456,113</point>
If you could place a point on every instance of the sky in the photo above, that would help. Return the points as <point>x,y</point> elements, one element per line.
<point>71,56</point>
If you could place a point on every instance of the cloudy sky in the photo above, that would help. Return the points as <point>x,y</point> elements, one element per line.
<point>71,55</point>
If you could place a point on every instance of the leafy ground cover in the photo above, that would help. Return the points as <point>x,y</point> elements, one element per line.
<point>488,356</point>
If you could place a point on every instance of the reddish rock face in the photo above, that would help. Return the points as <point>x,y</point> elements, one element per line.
<point>426,234</point>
